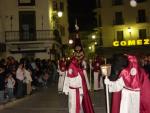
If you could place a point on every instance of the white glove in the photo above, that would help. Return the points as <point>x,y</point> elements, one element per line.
<point>66,93</point>
<point>107,81</point>
<point>58,70</point>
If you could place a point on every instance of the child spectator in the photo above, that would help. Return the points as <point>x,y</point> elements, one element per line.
<point>10,83</point>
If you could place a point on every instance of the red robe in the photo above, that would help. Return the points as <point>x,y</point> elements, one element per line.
<point>86,102</point>
<point>62,65</point>
<point>140,80</point>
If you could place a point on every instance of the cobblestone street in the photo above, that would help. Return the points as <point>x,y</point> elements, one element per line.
<point>49,101</point>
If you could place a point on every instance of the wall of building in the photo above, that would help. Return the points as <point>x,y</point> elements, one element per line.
<point>42,55</point>
<point>107,12</point>
<point>64,22</point>
<point>9,13</point>
<point>10,8</point>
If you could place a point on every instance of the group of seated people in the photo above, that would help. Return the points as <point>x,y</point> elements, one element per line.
<point>21,78</point>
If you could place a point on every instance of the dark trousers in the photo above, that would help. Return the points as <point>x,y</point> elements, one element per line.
<point>20,89</point>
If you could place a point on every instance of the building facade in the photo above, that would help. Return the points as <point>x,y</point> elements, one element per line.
<point>121,27</point>
<point>32,28</point>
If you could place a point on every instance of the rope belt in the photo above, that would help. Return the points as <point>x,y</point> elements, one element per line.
<point>132,89</point>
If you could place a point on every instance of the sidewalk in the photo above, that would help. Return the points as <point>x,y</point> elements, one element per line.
<point>10,103</point>
<point>47,100</point>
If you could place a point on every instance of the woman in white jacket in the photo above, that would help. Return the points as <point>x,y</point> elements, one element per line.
<point>28,80</point>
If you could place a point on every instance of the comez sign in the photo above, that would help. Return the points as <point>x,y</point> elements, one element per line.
<point>132,42</point>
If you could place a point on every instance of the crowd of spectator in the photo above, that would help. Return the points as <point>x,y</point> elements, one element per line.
<point>21,78</point>
<point>145,63</point>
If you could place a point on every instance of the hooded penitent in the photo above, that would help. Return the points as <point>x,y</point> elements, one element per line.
<point>77,71</point>
<point>134,77</point>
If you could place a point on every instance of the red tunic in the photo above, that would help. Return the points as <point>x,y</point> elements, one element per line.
<point>96,66</point>
<point>140,80</point>
<point>86,102</point>
<point>62,65</point>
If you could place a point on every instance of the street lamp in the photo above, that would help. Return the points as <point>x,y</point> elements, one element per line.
<point>59,13</point>
<point>133,3</point>
<point>70,41</point>
<point>129,30</point>
<point>90,48</point>
<point>93,36</point>
<point>95,43</point>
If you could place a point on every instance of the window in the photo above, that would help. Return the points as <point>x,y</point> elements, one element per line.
<point>118,19</point>
<point>117,2</point>
<point>141,16</point>
<point>140,1</point>
<point>98,4</point>
<point>119,35</point>
<point>99,21</point>
<point>142,33</point>
<point>61,6</point>
<point>26,2</point>
<point>54,5</point>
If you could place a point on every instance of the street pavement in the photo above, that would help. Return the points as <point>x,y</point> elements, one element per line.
<point>47,100</point>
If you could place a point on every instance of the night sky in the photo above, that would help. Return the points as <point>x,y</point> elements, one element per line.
<point>82,10</point>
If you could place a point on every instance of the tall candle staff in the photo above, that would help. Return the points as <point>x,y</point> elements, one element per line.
<point>106,70</point>
<point>90,61</point>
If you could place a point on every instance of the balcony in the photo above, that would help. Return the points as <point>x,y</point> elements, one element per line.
<point>141,19</point>
<point>141,1</point>
<point>25,37</point>
<point>117,2</point>
<point>36,41</point>
<point>118,22</point>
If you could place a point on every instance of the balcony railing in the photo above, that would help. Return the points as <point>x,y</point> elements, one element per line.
<point>117,2</point>
<point>142,19</point>
<point>118,22</point>
<point>39,35</point>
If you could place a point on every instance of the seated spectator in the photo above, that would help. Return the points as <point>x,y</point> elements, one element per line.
<point>2,84</point>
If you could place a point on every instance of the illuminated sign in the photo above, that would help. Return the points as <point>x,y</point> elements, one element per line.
<point>132,42</point>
